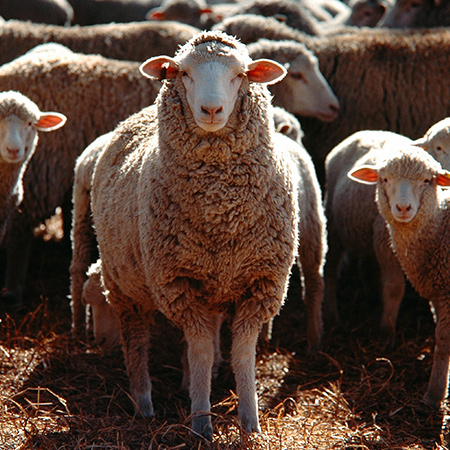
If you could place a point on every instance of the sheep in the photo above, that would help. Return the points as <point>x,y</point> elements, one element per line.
<point>287,124</point>
<point>106,92</point>
<point>293,13</point>
<point>93,12</point>
<point>105,323</point>
<point>436,142</point>
<point>304,91</point>
<point>417,14</point>
<point>117,41</point>
<point>360,230</point>
<point>383,82</point>
<point>416,210</point>
<point>210,221</point>
<point>56,12</point>
<point>20,122</point>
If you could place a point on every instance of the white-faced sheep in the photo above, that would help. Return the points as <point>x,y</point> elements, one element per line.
<point>416,210</point>
<point>95,93</point>
<point>360,229</point>
<point>57,12</point>
<point>20,122</point>
<point>362,13</point>
<point>116,41</point>
<point>211,217</point>
<point>436,142</point>
<point>417,14</point>
<point>304,91</point>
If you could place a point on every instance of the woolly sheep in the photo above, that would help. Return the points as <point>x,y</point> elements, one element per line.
<point>293,13</point>
<point>416,210</point>
<point>116,41</point>
<point>417,14</point>
<point>436,142</point>
<point>360,230</point>
<point>304,91</point>
<point>20,122</point>
<point>96,94</point>
<point>370,73</point>
<point>57,12</point>
<point>208,178</point>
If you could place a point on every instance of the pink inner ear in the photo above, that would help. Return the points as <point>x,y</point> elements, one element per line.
<point>443,179</point>
<point>264,72</point>
<point>156,15</point>
<point>365,174</point>
<point>49,121</point>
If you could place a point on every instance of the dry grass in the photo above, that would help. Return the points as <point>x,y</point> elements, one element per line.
<point>58,393</point>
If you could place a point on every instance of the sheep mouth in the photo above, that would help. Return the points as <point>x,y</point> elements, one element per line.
<point>327,117</point>
<point>404,218</point>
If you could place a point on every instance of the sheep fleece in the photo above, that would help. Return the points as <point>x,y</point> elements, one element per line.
<point>189,221</point>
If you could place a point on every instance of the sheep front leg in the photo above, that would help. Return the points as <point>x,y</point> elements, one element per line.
<point>438,384</point>
<point>135,346</point>
<point>200,337</point>
<point>250,316</point>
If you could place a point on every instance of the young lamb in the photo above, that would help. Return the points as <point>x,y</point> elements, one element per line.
<point>20,122</point>
<point>115,40</point>
<point>210,220</point>
<point>287,124</point>
<point>417,14</point>
<point>360,230</point>
<point>304,91</point>
<point>417,213</point>
<point>96,94</point>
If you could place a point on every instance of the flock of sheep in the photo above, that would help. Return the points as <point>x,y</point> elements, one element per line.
<point>193,181</point>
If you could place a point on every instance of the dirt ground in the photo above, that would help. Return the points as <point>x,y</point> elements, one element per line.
<point>59,393</point>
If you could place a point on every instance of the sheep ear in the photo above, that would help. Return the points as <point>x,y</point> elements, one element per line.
<point>443,178</point>
<point>206,11</point>
<point>160,67</point>
<point>283,128</point>
<point>155,14</point>
<point>421,142</point>
<point>266,71</point>
<point>50,121</point>
<point>364,175</point>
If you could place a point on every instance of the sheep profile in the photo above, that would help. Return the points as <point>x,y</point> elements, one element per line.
<point>417,212</point>
<point>20,122</point>
<point>210,220</point>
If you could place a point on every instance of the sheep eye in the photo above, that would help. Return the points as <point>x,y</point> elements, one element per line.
<point>184,74</point>
<point>439,148</point>
<point>297,76</point>
<point>385,180</point>
<point>426,181</point>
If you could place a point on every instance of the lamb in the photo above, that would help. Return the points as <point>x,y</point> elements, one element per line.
<point>106,92</point>
<point>304,91</point>
<point>416,211</point>
<point>56,12</point>
<point>20,122</point>
<point>201,173</point>
<point>360,230</point>
<point>117,41</point>
<point>417,14</point>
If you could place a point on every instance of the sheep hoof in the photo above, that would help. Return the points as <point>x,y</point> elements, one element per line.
<point>10,302</point>
<point>145,408</point>
<point>250,424</point>
<point>432,402</point>
<point>201,424</point>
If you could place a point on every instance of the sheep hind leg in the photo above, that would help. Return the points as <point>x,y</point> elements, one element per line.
<point>200,339</point>
<point>135,346</point>
<point>438,384</point>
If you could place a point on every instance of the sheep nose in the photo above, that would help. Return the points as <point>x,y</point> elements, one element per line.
<point>13,151</point>
<point>403,209</point>
<point>211,111</point>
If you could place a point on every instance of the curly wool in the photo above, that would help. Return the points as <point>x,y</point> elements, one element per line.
<point>14,103</point>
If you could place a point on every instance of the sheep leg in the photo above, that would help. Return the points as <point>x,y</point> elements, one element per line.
<point>200,337</point>
<point>313,291</point>
<point>135,346</point>
<point>438,384</point>
<point>18,255</point>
